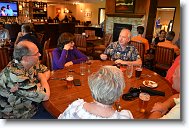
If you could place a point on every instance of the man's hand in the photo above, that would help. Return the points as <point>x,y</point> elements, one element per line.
<point>41,76</point>
<point>159,107</point>
<point>103,56</point>
<point>119,61</point>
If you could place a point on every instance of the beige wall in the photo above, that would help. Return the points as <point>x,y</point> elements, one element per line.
<point>52,10</point>
<point>173,3</point>
<point>93,8</point>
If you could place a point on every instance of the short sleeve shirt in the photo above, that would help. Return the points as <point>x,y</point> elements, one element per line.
<point>22,103</point>
<point>130,53</point>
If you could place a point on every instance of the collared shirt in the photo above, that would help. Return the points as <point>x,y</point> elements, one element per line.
<point>169,44</point>
<point>9,12</point>
<point>114,49</point>
<point>142,40</point>
<point>4,34</point>
<point>22,103</point>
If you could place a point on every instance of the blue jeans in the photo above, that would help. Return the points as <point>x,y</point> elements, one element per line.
<point>42,113</point>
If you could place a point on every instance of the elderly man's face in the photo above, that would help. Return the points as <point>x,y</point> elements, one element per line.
<point>124,37</point>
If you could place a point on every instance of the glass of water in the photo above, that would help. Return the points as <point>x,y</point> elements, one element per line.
<point>129,70</point>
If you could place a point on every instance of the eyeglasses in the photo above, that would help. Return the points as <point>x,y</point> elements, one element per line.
<point>36,54</point>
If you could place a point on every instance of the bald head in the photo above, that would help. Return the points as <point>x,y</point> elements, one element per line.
<point>124,36</point>
<point>24,48</point>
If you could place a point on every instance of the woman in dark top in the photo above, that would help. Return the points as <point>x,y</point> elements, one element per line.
<point>160,38</point>
<point>66,54</point>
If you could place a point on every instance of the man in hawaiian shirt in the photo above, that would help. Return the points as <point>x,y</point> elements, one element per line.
<point>23,83</point>
<point>121,52</point>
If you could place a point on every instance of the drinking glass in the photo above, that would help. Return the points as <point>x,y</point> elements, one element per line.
<point>143,101</point>
<point>129,70</point>
<point>82,68</point>
<point>69,79</point>
<point>138,72</point>
<point>89,62</point>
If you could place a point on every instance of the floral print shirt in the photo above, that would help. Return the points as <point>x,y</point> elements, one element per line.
<point>130,53</point>
<point>22,103</point>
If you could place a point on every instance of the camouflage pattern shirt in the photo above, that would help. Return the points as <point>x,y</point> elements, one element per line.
<point>115,51</point>
<point>22,103</point>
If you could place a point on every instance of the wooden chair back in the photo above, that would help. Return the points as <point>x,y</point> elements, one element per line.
<point>107,39</point>
<point>140,47</point>
<point>45,47</point>
<point>90,32</point>
<point>49,61</point>
<point>40,37</point>
<point>4,58</point>
<point>164,57</point>
<point>80,41</point>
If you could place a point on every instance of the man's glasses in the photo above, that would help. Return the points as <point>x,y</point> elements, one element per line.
<point>36,54</point>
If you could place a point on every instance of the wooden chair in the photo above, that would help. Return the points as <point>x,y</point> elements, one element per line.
<point>90,32</point>
<point>140,47</point>
<point>4,58</point>
<point>164,58</point>
<point>45,47</point>
<point>81,44</point>
<point>40,37</point>
<point>49,60</point>
<point>105,42</point>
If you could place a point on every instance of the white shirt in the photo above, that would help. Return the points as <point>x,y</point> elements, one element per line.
<point>77,111</point>
<point>174,113</point>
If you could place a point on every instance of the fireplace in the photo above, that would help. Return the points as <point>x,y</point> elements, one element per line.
<point>117,28</point>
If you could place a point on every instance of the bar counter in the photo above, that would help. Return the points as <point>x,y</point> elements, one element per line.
<point>53,30</point>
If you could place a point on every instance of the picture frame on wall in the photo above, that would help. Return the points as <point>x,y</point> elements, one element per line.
<point>125,6</point>
<point>88,14</point>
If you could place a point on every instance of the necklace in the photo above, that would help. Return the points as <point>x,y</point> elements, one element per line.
<point>102,105</point>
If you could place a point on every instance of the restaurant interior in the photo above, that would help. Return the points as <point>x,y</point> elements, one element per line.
<point>95,24</point>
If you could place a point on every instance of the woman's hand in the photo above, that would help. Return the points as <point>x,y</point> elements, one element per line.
<point>160,107</point>
<point>68,64</point>
<point>67,46</point>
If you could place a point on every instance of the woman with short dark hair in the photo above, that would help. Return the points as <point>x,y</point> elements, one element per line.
<point>66,54</point>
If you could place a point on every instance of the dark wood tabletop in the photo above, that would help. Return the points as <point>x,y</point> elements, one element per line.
<point>61,96</point>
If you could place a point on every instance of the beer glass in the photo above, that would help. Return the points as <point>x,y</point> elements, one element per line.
<point>138,72</point>
<point>69,79</point>
<point>143,101</point>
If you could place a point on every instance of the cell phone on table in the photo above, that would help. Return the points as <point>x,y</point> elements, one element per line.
<point>77,82</point>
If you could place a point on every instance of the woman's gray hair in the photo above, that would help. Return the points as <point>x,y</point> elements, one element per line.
<point>20,51</point>
<point>107,84</point>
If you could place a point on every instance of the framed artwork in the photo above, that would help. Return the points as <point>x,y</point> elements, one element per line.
<point>88,14</point>
<point>125,6</point>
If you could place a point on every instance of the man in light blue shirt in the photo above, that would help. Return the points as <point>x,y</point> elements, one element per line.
<point>9,11</point>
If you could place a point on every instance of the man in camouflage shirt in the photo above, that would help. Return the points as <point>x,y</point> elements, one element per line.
<point>121,52</point>
<point>23,83</point>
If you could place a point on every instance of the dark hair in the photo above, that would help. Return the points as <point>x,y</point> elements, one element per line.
<point>2,7</point>
<point>64,38</point>
<point>140,29</point>
<point>162,31</point>
<point>26,28</point>
<point>8,5</point>
<point>170,35</point>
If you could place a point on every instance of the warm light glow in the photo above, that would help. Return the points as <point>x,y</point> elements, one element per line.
<point>20,7</point>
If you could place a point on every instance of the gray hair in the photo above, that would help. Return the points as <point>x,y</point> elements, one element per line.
<point>107,84</point>
<point>20,51</point>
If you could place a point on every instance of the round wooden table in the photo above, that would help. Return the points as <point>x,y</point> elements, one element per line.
<point>61,96</point>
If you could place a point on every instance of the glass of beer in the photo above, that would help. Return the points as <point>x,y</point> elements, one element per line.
<point>69,79</point>
<point>138,72</point>
<point>143,101</point>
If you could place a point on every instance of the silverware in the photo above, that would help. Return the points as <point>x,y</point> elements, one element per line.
<point>57,78</point>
